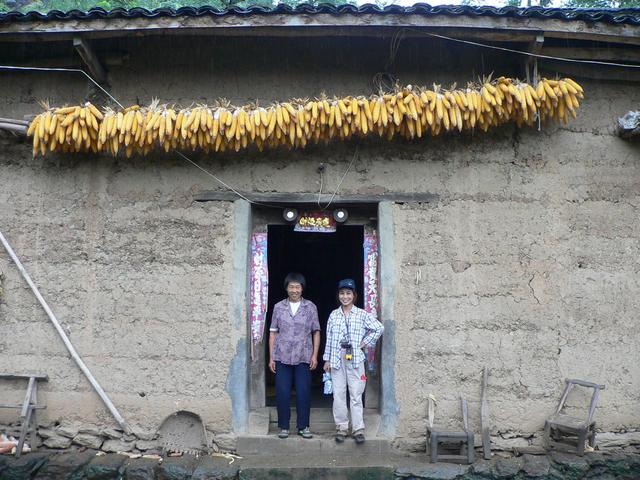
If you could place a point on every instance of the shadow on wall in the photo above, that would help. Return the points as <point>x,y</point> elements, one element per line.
<point>183,431</point>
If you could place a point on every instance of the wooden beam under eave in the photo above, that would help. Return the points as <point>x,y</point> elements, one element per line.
<point>605,53</point>
<point>593,72</point>
<point>90,59</point>
<point>277,198</point>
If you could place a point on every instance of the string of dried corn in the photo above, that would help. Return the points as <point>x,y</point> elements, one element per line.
<point>409,112</point>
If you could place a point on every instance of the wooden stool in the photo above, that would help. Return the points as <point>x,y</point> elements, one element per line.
<point>437,437</point>
<point>566,431</point>
<point>27,408</point>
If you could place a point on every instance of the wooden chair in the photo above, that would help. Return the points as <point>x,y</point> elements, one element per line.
<point>565,431</point>
<point>27,408</point>
<point>436,437</point>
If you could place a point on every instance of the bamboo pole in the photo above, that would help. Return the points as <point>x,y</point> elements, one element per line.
<point>65,339</point>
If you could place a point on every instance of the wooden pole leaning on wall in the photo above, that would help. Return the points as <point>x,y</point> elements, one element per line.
<point>72,351</point>
<point>484,416</point>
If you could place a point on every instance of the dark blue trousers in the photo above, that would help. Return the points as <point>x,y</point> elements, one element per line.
<point>286,375</point>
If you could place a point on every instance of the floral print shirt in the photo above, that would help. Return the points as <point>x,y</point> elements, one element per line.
<point>293,343</point>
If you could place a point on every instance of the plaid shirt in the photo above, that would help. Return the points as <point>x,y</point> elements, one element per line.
<point>364,330</point>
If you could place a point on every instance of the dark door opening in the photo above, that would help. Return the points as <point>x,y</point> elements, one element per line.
<point>324,259</point>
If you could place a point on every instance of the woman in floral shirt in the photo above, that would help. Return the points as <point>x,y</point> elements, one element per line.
<point>294,340</point>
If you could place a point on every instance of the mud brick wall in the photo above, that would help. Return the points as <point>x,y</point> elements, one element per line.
<point>527,262</point>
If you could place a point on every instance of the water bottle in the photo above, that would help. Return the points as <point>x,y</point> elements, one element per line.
<point>328,384</point>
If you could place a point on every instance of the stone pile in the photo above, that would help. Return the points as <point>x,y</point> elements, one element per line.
<point>109,440</point>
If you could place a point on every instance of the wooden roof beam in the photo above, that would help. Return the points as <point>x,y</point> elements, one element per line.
<point>535,47</point>
<point>90,59</point>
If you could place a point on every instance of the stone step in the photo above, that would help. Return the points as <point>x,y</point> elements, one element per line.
<point>321,420</point>
<point>265,445</point>
<point>317,414</point>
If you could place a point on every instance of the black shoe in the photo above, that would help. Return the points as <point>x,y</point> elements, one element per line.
<point>359,436</point>
<point>341,435</point>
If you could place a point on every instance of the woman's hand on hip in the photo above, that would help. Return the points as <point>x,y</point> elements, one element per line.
<point>327,366</point>
<point>272,365</point>
<point>313,363</point>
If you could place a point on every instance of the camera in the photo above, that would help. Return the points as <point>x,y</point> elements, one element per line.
<point>348,355</point>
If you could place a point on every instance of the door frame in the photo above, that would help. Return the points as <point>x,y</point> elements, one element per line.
<point>385,394</point>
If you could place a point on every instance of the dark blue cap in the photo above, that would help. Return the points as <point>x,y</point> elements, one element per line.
<point>347,283</point>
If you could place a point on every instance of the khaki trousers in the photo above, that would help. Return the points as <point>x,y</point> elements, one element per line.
<point>353,378</point>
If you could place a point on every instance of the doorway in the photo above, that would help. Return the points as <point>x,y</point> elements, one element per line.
<point>324,259</point>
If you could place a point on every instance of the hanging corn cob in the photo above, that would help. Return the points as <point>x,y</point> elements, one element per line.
<point>408,112</point>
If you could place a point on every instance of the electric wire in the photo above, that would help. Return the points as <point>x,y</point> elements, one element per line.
<point>522,52</point>
<point>321,182</point>
<point>355,154</point>
<point>224,184</point>
<point>77,70</point>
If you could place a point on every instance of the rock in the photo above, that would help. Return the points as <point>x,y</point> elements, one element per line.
<point>530,450</point>
<point>91,430</point>
<point>508,467</point>
<point>117,446</point>
<point>141,469</point>
<point>483,468</point>
<point>621,465</point>
<point>499,443</point>
<point>88,440</point>
<point>105,467</point>
<point>57,441</point>
<point>434,471</point>
<point>600,473</point>
<point>226,442</point>
<point>4,462</point>
<point>69,431</point>
<point>129,438</point>
<point>629,124</point>
<point>24,467</point>
<point>177,468</point>
<point>67,465</point>
<point>113,433</point>
<point>215,468</point>
<point>144,434</point>
<point>572,466</point>
<point>634,462</point>
<point>617,440</point>
<point>147,445</point>
<point>536,465</point>
<point>46,432</point>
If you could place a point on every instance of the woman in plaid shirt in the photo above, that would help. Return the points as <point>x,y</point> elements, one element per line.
<point>349,330</point>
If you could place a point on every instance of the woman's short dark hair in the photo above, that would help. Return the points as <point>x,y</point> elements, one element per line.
<point>295,277</point>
